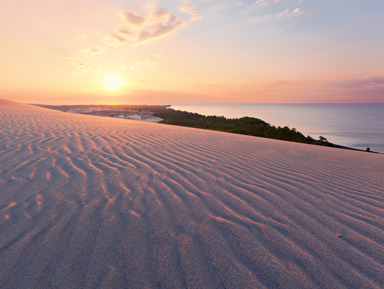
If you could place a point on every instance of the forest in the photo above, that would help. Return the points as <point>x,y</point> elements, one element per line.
<point>244,125</point>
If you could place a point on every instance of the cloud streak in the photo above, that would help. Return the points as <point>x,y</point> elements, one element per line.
<point>147,62</point>
<point>187,8</point>
<point>267,10</point>
<point>157,24</point>
<point>79,59</point>
<point>133,19</point>
<point>356,81</point>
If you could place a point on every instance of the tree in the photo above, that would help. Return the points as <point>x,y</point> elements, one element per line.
<point>323,139</point>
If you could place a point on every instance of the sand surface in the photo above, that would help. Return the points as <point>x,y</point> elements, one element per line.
<point>92,202</point>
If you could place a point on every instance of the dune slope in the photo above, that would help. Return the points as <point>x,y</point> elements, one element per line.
<point>92,202</point>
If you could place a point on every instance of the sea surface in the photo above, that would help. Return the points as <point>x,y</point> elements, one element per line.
<point>354,125</point>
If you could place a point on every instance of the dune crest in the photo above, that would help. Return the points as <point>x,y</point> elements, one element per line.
<point>9,102</point>
<point>91,202</point>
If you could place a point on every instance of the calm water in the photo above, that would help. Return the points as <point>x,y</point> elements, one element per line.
<point>354,125</point>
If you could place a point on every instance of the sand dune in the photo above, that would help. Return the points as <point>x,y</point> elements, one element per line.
<point>91,202</point>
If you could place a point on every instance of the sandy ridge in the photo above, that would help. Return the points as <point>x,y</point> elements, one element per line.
<point>90,202</point>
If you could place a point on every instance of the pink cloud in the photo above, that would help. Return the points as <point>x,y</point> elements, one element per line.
<point>157,24</point>
<point>132,19</point>
<point>92,50</point>
<point>116,38</point>
<point>126,32</point>
<point>159,31</point>
<point>188,8</point>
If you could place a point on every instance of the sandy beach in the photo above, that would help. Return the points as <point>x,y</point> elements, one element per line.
<point>93,202</point>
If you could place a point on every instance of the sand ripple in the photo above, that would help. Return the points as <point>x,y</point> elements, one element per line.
<point>91,202</point>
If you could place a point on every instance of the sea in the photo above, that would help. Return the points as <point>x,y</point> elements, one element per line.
<point>359,126</point>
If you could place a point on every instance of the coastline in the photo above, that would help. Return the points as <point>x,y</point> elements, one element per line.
<point>354,125</point>
<point>161,113</point>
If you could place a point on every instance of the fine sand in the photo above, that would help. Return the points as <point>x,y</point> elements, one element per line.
<point>92,202</point>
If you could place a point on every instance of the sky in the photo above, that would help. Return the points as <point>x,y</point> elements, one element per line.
<point>192,51</point>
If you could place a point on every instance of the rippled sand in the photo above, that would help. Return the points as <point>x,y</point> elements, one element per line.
<point>91,202</point>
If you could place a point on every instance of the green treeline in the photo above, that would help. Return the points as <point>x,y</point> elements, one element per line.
<point>245,125</point>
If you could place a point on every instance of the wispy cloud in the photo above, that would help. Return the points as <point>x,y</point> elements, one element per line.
<point>147,62</point>
<point>355,87</point>
<point>289,13</point>
<point>79,59</point>
<point>92,50</point>
<point>117,38</point>
<point>263,3</point>
<point>356,81</point>
<point>266,10</point>
<point>133,19</point>
<point>135,29</point>
<point>157,24</point>
<point>187,7</point>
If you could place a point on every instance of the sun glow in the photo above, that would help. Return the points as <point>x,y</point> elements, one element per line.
<point>112,83</point>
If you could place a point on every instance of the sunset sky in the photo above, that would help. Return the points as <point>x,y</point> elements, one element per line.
<point>191,51</point>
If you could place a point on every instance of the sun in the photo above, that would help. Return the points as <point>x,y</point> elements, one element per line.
<point>112,83</point>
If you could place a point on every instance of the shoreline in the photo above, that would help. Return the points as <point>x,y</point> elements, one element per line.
<point>153,113</point>
<point>355,125</point>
